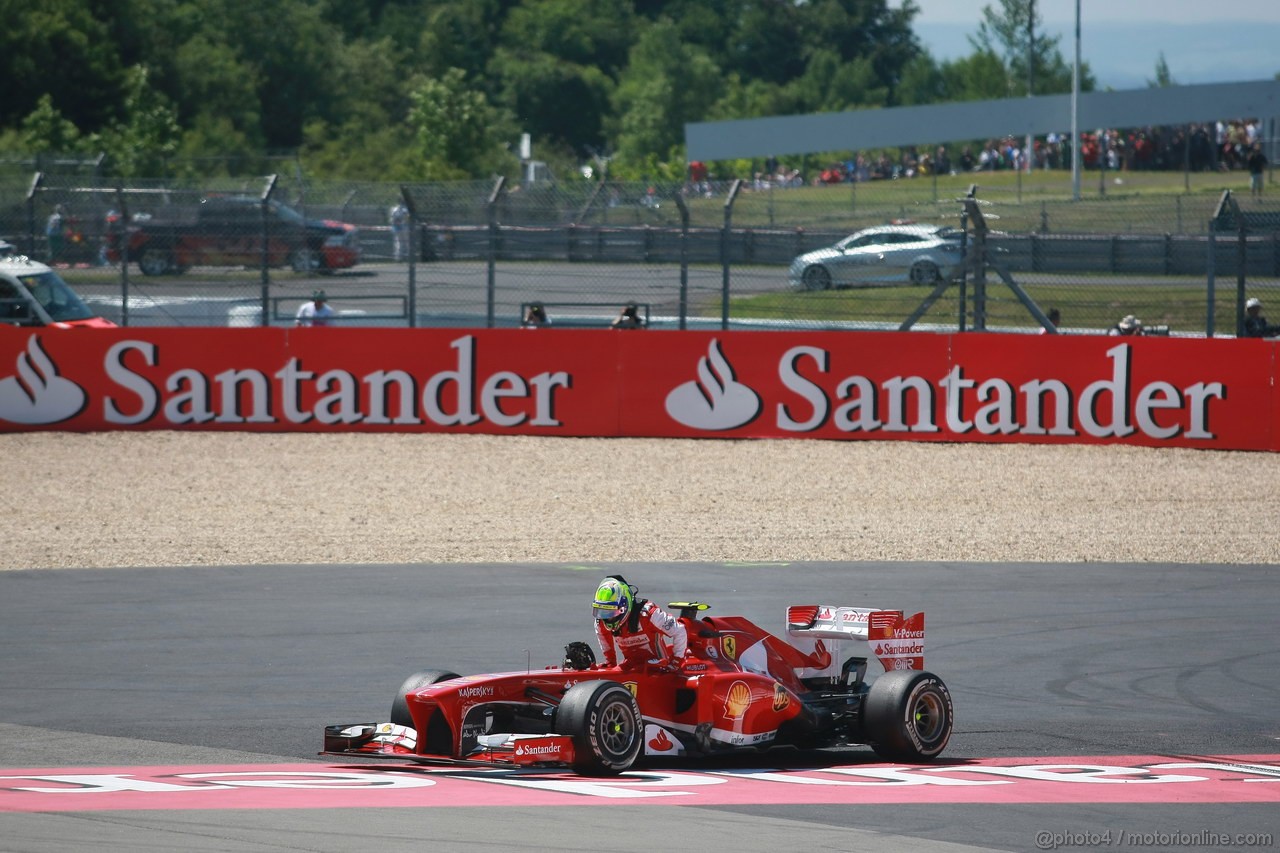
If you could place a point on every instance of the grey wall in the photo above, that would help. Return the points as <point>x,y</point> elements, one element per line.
<point>858,129</point>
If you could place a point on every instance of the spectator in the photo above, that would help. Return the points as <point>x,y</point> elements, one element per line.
<point>1255,325</point>
<point>1257,163</point>
<point>1055,320</point>
<point>628,318</point>
<point>399,219</point>
<point>941,161</point>
<point>53,232</point>
<point>1130,325</point>
<point>698,179</point>
<point>316,312</point>
<point>535,316</point>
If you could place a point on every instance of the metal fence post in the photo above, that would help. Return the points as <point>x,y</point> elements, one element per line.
<point>1211,288</point>
<point>724,251</point>
<point>491,284</point>
<point>266,258</point>
<point>36,180</point>
<point>124,255</point>
<point>1242,266</point>
<point>412,249</point>
<point>684,259</point>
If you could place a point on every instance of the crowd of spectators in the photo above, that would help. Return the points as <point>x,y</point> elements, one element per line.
<point>1221,146</point>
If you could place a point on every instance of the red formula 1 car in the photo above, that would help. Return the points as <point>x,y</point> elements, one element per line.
<point>739,687</point>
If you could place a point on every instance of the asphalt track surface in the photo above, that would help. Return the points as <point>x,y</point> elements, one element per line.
<point>196,668</point>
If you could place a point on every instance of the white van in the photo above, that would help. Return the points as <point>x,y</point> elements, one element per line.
<point>32,294</point>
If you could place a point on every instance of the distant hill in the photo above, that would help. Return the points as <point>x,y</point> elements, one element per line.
<point>1124,56</point>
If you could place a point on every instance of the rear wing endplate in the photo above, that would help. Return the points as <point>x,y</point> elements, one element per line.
<point>896,640</point>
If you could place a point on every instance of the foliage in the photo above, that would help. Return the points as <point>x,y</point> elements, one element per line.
<point>455,128</point>
<point>411,89</point>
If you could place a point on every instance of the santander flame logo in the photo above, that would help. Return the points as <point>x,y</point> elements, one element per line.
<point>661,743</point>
<point>38,395</point>
<point>715,400</point>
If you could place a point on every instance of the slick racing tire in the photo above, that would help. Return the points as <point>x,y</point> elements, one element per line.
<point>907,716</point>
<point>603,718</point>
<point>400,708</point>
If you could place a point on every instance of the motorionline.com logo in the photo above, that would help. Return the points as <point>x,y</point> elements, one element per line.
<point>1046,840</point>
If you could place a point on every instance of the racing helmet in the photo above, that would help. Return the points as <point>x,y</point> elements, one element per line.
<point>614,600</point>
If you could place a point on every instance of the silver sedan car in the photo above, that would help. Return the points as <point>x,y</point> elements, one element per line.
<point>886,254</point>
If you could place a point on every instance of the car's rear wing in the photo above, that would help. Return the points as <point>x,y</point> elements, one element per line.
<point>896,640</point>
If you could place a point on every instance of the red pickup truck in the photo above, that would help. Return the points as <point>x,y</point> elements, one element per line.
<point>229,231</point>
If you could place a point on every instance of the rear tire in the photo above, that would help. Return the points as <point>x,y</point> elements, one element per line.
<point>156,262</point>
<point>304,260</point>
<point>907,716</point>
<point>925,272</point>
<point>400,715</point>
<point>603,718</point>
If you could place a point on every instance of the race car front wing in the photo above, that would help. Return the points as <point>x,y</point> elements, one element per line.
<point>389,741</point>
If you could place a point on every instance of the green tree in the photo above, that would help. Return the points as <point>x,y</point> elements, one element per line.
<point>921,82</point>
<point>557,64</point>
<point>459,134</point>
<point>831,85</point>
<point>665,84</point>
<point>461,34</point>
<point>1015,32</point>
<point>1163,77</point>
<point>57,48</point>
<point>556,102</point>
<point>869,32</point>
<point>45,130</point>
<point>148,135</point>
<point>213,85</point>
<point>980,76</point>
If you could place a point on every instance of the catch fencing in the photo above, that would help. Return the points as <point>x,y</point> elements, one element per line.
<point>708,255</point>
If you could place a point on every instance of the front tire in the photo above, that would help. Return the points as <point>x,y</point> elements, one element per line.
<point>399,705</point>
<point>908,716</point>
<point>603,718</point>
<point>816,278</point>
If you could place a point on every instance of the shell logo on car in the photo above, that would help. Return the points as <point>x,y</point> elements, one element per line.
<point>737,700</point>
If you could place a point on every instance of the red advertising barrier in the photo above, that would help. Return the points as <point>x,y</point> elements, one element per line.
<point>1151,391</point>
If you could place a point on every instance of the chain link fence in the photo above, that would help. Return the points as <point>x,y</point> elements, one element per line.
<point>705,255</point>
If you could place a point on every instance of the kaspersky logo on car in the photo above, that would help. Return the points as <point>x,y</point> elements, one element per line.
<point>37,394</point>
<point>716,400</point>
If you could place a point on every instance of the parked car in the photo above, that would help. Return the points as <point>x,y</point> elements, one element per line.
<point>886,254</point>
<point>229,231</point>
<point>32,294</point>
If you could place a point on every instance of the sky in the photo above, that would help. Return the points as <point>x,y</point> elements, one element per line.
<point>1203,41</point>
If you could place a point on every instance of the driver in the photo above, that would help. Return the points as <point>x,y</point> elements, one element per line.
<point>641,630</point>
